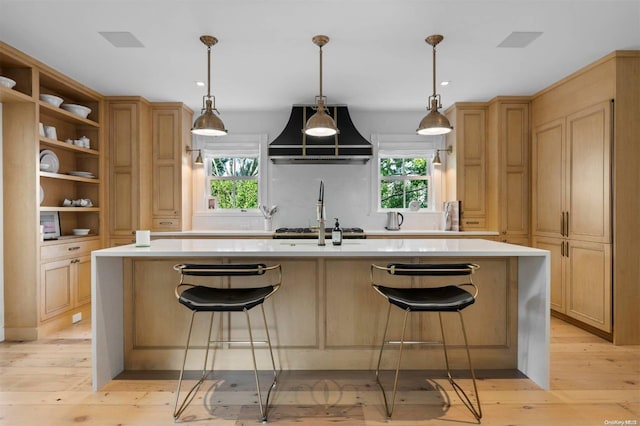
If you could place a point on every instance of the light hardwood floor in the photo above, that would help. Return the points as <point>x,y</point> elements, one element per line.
<point>48,382</point>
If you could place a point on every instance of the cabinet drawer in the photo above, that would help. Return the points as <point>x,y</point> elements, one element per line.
<point>76,248</point>
<point>473,223</point>
<point>166,223</point>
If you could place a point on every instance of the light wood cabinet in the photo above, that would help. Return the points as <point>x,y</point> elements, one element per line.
<point>129,119</point>
<point>585,185</point>
<point>572,176</point>
<point>39,297</point>
<point>571,205</point>
<point>171,172</point>
<point>507,188</point>
<point>580,280</point>
<point>466,166</point>
<point>65,285</point>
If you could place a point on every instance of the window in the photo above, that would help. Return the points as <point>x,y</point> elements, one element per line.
<point>232,182</point>
<point>404,175</point>
<point>404,181</point>
<point>232,179</point>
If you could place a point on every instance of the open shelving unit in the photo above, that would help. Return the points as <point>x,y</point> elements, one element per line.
<point>46,282</point>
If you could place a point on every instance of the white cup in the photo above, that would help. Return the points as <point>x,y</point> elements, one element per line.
<point>143,238</point>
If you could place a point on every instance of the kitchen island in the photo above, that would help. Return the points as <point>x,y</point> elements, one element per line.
<point>325,316</point>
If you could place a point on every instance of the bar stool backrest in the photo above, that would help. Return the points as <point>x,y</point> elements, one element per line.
<point>430,269</point>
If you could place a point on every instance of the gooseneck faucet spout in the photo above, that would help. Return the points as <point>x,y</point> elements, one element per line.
<point>320,215</point>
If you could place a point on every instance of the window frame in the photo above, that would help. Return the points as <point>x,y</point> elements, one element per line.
<point>237,145</point>
<point>409,146</point>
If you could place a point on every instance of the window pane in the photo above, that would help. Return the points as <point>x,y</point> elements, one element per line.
<point>223,191</point>
<point>391,194</point>
<point>390,166</point>
<point>247,194</point>
<point>246,167</point>
<point>415,166</point>
<point>417,190</point>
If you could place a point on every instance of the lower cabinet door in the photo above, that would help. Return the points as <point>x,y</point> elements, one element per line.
<point>55,288</point>
<point>82,281</point>
<point>555,246</point>
<point>589,283</point>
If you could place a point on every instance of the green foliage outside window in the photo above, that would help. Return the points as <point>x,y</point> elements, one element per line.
<point>234,182</point>
<point>403,180</point>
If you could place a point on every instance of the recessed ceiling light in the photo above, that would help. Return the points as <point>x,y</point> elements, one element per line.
<point>444,83</point>
<point>200,83</point>
<point>520,39</point>
<point>121,38</point>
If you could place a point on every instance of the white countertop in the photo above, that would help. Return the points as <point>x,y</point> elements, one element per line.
<point>309,248</point>
<point>257,232</point>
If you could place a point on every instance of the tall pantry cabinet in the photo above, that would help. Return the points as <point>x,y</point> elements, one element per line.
<point>584,194</point>
<point>149,167</point>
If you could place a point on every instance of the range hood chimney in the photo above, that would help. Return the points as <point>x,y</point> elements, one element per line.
<point>293,146</point>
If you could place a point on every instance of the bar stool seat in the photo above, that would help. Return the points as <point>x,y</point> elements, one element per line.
<point>437,298</point>
<point>440,299</point>
<point>205,298</point>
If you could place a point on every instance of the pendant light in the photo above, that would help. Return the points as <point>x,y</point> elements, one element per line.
<point>208,124</point>
<point>434,123</point>
<point>320,123</point>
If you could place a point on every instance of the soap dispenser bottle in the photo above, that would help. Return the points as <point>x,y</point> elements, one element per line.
<point>336,234</point>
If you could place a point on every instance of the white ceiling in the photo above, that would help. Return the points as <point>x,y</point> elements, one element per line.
<point>377,58</point>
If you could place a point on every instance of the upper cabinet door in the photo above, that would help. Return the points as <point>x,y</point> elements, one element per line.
<point>548,179</point>
<point>589,174</point>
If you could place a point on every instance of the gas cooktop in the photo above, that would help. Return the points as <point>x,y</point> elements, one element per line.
<point>300,233</point>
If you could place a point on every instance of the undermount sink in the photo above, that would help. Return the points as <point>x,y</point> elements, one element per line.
<point>315,243</point>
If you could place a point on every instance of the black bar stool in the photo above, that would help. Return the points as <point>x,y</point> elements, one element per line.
<point>200,298</point>
<point>448,298</point>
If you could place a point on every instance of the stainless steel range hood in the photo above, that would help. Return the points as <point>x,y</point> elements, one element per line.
<point>293,146</point>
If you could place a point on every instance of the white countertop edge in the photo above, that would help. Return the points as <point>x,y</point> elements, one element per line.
<point>309,248</point>
<point>256,232</point>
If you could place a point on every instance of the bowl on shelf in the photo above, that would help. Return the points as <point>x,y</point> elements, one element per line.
<point>51,99</point>
<point>78,110</point>
<point>80,231</point>
<point>7,82</point>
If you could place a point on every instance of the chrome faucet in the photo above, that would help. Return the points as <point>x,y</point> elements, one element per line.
<point>320,215</point>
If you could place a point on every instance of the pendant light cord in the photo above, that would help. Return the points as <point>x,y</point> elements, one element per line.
<point>434,71</point>
<point>320,72</point>
<point>209,72</point>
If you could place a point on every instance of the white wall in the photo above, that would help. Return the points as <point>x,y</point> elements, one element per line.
<point>349,189</point>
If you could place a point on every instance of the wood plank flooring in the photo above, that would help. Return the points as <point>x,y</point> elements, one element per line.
<point>48,382</point>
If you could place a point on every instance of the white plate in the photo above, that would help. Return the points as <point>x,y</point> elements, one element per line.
<point>49,157</point>
<point>81,174</point>
<point>41,194</point>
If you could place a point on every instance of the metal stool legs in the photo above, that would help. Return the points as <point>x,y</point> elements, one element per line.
<point>263,407</point>
<point>178,410</point>
<point>477,412</point>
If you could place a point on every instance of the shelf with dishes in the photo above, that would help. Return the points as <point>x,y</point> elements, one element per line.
<point>62,114</point>
<point>71,177</point>
<point>11,95</point>
<point>69,145</point>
